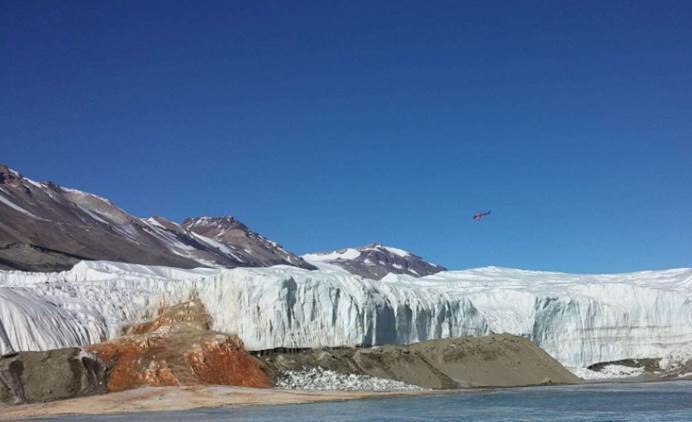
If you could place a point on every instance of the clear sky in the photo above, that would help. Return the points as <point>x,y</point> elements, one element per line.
<point>331,124</point>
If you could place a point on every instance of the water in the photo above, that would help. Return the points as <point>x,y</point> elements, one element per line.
<point>669,401</point>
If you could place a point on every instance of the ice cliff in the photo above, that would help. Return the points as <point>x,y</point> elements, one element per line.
<point>578,319</point>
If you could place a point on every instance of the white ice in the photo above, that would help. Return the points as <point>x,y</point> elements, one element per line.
<point>345,254</point>
<point>578,319</point>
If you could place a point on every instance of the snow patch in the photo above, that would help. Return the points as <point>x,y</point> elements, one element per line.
<point>396,251</point>
<point>17,207</point>
<point>216,245</point>
<point>153,222</point>
<point>344,254</point>
<point>34,183</point>
<point>86,194</point>
<point>318,379</point>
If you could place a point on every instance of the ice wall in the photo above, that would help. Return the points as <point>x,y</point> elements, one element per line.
<point>578,319</point>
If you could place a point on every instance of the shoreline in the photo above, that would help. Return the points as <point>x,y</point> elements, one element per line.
<point>153,399</point>
<point>179,398</point>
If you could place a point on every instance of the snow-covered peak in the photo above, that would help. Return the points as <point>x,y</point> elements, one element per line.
<point>375,261</point>
<point>389,249</point>
<point>353,253</point>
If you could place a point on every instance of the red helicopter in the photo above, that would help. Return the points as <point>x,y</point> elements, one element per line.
<point>477,216</point>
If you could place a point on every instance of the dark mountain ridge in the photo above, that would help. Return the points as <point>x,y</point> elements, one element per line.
<point>47,227</point>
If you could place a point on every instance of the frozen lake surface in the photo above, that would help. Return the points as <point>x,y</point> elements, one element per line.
<point>664,401</point>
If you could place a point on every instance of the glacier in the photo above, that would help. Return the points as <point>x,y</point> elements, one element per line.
<point>578,319</point>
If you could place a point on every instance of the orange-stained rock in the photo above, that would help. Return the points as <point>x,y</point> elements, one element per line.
<point>177,348</point>
<point>223,360</point>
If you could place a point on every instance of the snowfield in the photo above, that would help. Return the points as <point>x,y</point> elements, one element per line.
<point>578,319</point>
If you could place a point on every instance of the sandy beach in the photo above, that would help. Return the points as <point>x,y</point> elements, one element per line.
<point>150,399</point>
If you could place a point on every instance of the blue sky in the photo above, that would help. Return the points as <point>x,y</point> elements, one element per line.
<point>331,125</point>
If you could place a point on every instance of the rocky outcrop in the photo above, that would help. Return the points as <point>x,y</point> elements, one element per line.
<point>176,348</point>
<point>489,361</point>
<point>28,377</point>
<point>47,227</point>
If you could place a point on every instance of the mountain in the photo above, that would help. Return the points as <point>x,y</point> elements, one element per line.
<point>375,261</point>
<point>247,246</point>
<point>47,227</point>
